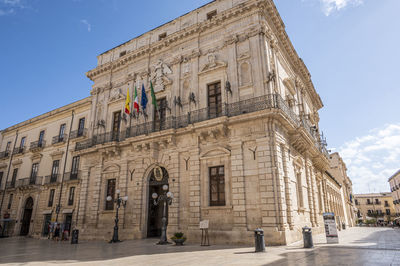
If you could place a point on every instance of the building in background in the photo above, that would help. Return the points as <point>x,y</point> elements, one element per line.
<point>394,182</point>
<point>231,128</point>
<point>338,170</point>
<point>378,206</point>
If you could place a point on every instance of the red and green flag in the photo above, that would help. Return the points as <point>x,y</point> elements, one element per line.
<point>153,96</point>
<point>136,101</point>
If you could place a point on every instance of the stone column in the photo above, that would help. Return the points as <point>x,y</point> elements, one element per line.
<point>309,194</point>
<point>83,196</point>
<point>289,210</point>
<point>194,189</point>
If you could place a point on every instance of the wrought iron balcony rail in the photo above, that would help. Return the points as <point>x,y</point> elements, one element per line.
<point>10,184</point>
<point>52,179</point>
<point>59,139</point>
<point>19,150</point>
<point>37,145</point>
<point>78,133</point>
<point>271,101</point>
<point>29,181</point>
<point>72,176</point>
<point>4,154</point>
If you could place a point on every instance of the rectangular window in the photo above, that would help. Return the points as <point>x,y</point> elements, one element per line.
<point>122,53</point>
<point>110,192</point>
<point>116,124</point>
<point>211,14</point>
<point>22,144</point>
<point>214,100</point>
<point>387,211</point>
<point>356,201</point>
<point>51,198</point>
<point>386,203</point>
<point>71,196</point>
<point>299,191</point>
<point>81,127</point>
<point>377,201</point>
<point>217,186</point>
<point>14,177</point>
<point>75,167</point>
<point>160,114</point>
<point>61,133</point>
<point>1,178</point>
<point>10,201</point>
<point>41,137</point>
<point>368,201</point>
<point>34,172</point>
<point>54,171</point>
<point>8,146</point>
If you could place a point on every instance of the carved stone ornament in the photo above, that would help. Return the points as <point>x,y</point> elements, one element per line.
<point>116,94</point>
<point>159,76</point>
<point>212,64</point>
<point>158,173</point>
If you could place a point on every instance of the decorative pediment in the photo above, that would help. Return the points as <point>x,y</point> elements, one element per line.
<point>215,152</point>
<point>17,162</point>
<point>36,157</point>
<point>159,76</point>
<point>213,64</point>
<point>111,152</point>
<point>3,165</point>
<point>116,94</point>
<point>112,168</point>
<point>57,155</point>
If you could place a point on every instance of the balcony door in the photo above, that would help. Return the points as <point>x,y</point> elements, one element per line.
<point>41,136</point>
<point>160,114</point>
<point>81,127</point>
<point>115,125</point>
<point>32,179</point>
<point>214,100</point>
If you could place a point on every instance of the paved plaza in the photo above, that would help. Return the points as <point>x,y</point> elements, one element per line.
<point>358,246</point>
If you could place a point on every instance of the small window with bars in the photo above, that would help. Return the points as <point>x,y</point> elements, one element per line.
<point>111,193</point>
<point>217,186</point>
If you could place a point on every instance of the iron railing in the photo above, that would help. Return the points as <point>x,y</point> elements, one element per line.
<point>10,184</point>
<point>78,133</point>
<point>52,179</point>
<point>19,150</point>
<point>271,101</point>
<point>4,154</point>
<point>29,181</point>
<point>59,139</point>
<point>37,145</point>
<point>72,176</point>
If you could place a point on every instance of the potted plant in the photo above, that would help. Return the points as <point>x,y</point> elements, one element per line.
<point>178,238</point>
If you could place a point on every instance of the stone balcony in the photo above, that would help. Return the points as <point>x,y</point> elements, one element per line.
<point>59,139</point>
<point>29,182</point>
<point>4,154</point>
<point>37,146</point>
<point>272,103</point>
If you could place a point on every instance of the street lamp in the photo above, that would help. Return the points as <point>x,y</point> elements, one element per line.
<point>165,198</point>
<point>119,200</point>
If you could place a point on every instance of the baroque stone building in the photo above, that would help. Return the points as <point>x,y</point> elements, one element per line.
<point>394,182</point>
<point>235,136</point>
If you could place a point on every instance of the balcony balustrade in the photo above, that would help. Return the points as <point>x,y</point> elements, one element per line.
<point>19,150</point>
<point>4,154</point>
<point>78,133</point>
<point>52,179</point>
<point>72,176</point>
<point>37,145</point>
<point>271,101</point>
<point>10,184</point>
<point>59,139</point>
<point>29,181</point>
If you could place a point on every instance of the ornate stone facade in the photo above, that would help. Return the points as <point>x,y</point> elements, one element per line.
<point>236,133</point>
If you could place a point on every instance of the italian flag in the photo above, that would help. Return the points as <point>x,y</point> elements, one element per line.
<point>136,102</point>
<point>128,103</point>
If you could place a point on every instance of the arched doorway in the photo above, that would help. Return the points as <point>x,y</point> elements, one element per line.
<point>157,178</point>
<point>26,219</point>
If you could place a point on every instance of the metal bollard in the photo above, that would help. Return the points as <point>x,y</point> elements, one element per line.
<point>259,240</point>
<point>74,236</point>
<point>307,237</point>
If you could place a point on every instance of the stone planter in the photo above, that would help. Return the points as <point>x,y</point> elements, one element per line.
<point>179,242</point>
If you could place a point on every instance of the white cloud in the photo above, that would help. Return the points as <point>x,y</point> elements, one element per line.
<point>88,25</point>
<point>8,7</point>
<point>373,158</point>
<point>330,6</point>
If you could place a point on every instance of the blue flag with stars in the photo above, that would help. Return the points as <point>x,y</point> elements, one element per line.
<point>144,98</point>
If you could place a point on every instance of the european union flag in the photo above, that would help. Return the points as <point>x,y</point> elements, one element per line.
<point>144,98</point>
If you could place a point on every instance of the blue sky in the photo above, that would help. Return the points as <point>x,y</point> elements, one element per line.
<point>349,46</point>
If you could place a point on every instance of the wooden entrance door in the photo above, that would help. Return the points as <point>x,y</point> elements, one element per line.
<point>26,219</point>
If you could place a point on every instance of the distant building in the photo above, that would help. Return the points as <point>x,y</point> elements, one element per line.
<point>394,182</point>
<point>377,206</point>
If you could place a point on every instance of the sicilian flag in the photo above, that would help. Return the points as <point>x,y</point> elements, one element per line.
<point>136,101</point>
<point>128,103</point>
<point>144,99</point>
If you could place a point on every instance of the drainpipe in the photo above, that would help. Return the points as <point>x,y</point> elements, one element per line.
<point>65,164</point>
<point>8,172</point>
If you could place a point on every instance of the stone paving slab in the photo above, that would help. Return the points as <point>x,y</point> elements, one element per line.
<point>358,246</point>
